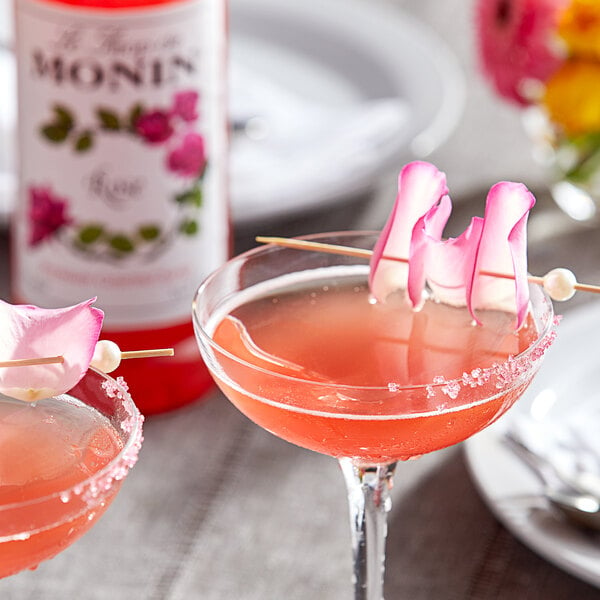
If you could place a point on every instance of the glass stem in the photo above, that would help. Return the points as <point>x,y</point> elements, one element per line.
<point>369,501</point>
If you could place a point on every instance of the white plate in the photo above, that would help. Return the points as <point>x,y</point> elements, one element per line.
<point>333,93</point>
<point>351,89</point>
<point>567,385</point>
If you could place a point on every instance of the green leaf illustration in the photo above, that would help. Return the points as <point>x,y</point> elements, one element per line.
<point>134,115</point>
<point>55,133</point>
<point>63,117</point>
<point>90,233</point>
<point>189,227</point>
<point>108,119</point>
<point>149,232</point>
<point>192,196</point>
<point>121,243</point>
<point>84,141</point>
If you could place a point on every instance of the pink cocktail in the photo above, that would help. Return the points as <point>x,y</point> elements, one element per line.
<point>62,461</point>
<point>295,342</point>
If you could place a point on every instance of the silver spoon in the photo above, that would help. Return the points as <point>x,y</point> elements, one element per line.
<point>564,493</point>
<point>581,509</point>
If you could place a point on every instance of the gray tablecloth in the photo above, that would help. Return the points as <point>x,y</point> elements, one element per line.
<point>218,509</point>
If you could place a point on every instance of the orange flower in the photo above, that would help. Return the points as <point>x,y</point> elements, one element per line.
<point>579,26</point>
<point>572,96</point>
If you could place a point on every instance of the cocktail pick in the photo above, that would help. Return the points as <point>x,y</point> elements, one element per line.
<point>559,283</point>
<point>104,348</point>
<point>107,355</point>
<point>29,362</point>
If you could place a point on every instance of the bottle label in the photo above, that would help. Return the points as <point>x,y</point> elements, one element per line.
<point>122,132</point>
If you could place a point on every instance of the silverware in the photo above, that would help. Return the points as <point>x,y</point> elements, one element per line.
<point>581,509</point>
<point>565,492</point>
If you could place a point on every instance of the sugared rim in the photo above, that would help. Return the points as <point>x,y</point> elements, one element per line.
<point>117,468</point>
<point>516,365</point>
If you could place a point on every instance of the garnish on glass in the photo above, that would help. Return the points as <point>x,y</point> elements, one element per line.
<point>70,433</point>
<point>488,249</point>
<point>53,349</point>
<point>377,361</point>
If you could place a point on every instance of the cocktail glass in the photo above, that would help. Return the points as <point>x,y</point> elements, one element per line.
<point>62,462</point>
<point>367,428</point>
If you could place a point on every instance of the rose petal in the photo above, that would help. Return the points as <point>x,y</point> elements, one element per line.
<point>503,250</point>
<point>496,243</point>
<point>420,186</point>
<point>426,234</point>
<point>31,332</point>
<point>448,264</point>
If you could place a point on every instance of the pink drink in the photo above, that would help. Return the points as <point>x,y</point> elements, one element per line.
<point>348,366</point>
<point>292,339</point>
<point>61,464</point>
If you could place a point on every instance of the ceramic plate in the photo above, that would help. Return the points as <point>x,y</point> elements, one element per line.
<point>335,92</point>
<point>564,395</point>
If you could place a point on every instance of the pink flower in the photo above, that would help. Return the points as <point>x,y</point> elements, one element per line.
<point>47,214</point>
<point>184,105</point>
<point>32,332</point>
<point>155,127</point>
<point>516,43</point>
<point>189,158</point>
<point>495,243</point>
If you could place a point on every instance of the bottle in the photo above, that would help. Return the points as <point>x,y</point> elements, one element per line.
<point>122,173</point>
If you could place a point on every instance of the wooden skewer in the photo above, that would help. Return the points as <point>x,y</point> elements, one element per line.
<point>107,355</point>
<point>362,253</point>
<point>49,360</point>
<point>148,353</point>
<point>319,247</point>
<point>27,362</point>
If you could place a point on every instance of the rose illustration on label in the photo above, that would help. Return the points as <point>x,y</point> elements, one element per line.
<point>47,214</point>
<point>185,105</point>
<point>154,127</point>
<point>49,219</point>
<point>185,158</point>
<point>188,159</point>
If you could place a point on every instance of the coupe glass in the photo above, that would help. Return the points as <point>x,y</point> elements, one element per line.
<point>41,518</point>
<point>370,428</point>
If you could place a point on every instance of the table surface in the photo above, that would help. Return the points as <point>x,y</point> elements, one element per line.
<point>218,509</point>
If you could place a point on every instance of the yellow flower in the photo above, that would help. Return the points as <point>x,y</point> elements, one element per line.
<point>579,26</point>
<point>572,96</point>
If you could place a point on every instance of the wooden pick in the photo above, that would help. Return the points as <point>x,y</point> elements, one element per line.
<point>27,362</point>
<point>50,360</point>
<point>148,353</point>
<point>362,253</point>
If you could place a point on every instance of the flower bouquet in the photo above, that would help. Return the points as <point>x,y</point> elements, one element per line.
<point>544,55</point>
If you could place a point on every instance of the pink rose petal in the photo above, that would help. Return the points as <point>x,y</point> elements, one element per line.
<point>420,186</point>
<point>496,243</point>
<point>503,249</point>
<point>426,234</point>
<point>31,332</point>
<point>447,265</point>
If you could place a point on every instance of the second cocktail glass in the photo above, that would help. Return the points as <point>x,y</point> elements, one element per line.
<point>294,341</point>
<point>63,462</point>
